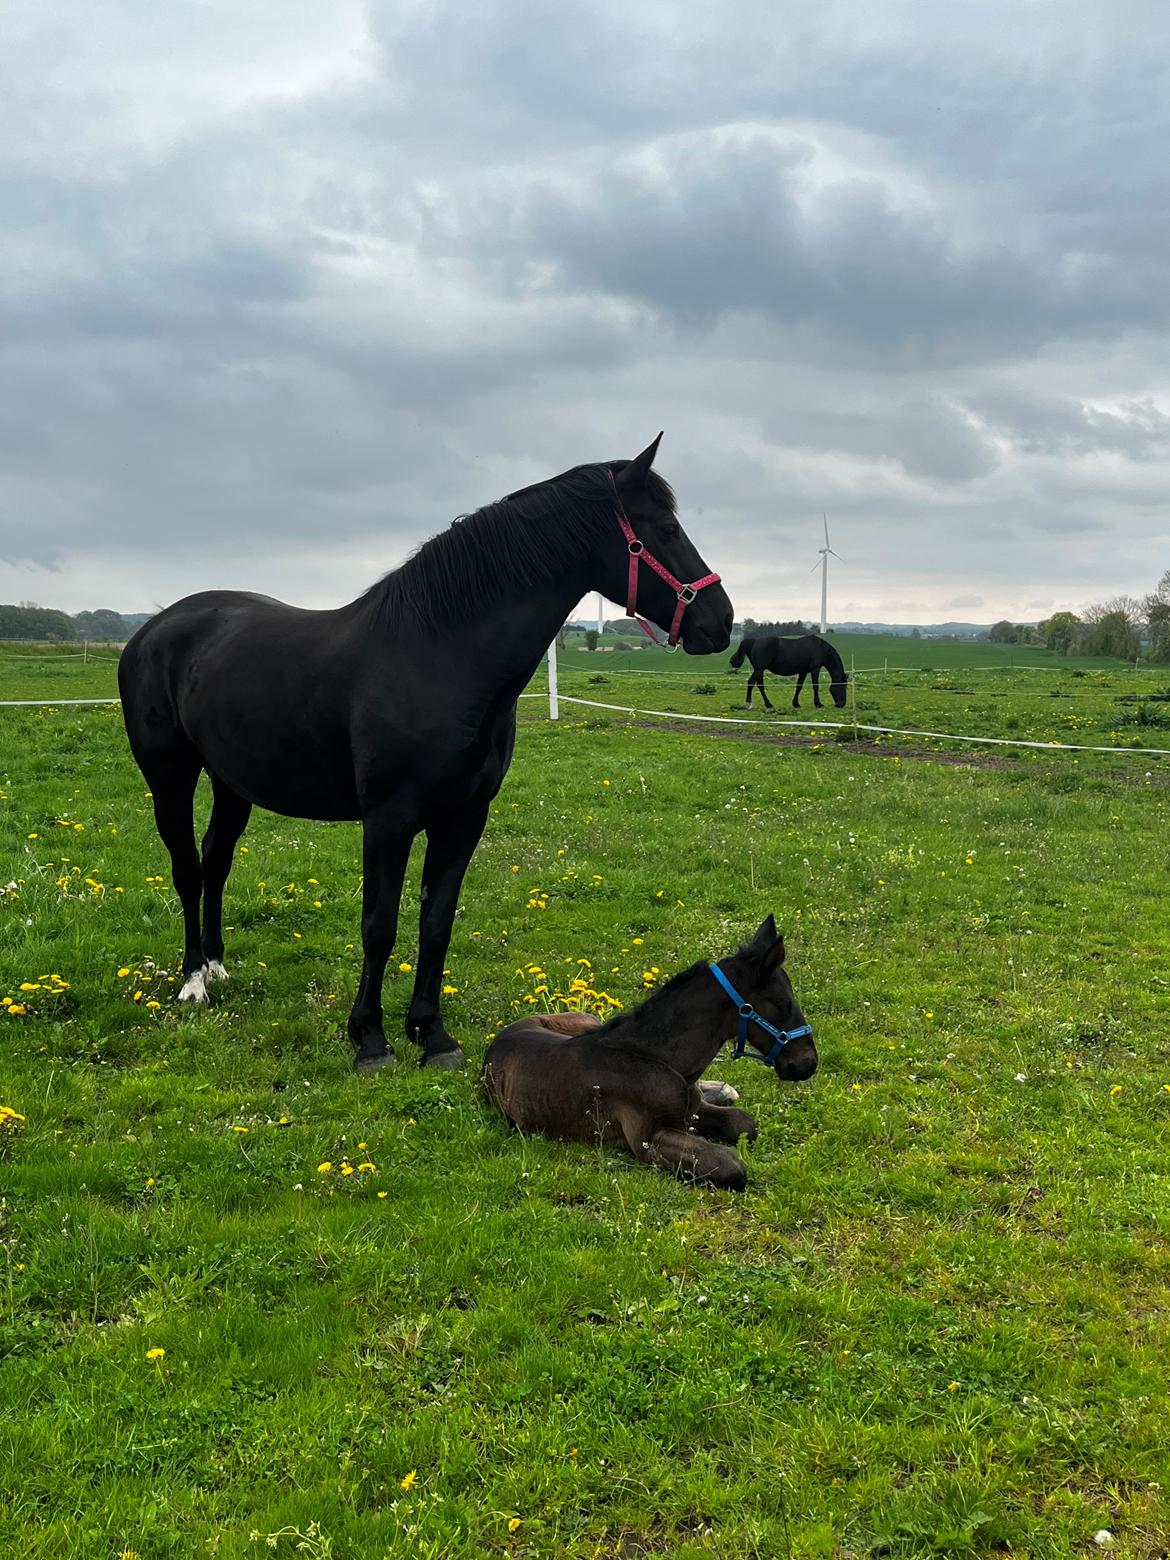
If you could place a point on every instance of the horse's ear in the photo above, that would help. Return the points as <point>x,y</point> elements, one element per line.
<point>769,945</point>
<point>633,477</point>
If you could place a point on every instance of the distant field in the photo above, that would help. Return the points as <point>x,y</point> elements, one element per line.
<point>935,1325</point>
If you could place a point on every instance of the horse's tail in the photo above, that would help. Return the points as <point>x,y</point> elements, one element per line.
<point>744,646</point>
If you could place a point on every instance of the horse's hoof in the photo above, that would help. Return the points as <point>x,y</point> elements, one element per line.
<point>450,1061</point>
<point>215,970</point>
<point>194,988</point>
<point>379,1061</point>
<point>716,1092</point>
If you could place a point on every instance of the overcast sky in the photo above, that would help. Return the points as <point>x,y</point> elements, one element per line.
<point>286,286</point>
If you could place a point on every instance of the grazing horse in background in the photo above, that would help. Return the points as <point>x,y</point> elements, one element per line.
<point>398,709</point>
<point>634,1082</point>
<point>797,658</point>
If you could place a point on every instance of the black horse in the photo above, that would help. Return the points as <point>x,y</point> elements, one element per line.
<point>799,658</point>
<point>398,709</point>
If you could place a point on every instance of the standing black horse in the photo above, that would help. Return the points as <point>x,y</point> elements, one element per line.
<point>799,658</point>
<point>398,709</point>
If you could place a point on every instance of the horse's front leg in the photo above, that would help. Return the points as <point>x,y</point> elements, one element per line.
<point>450,845</point>
<point>692,1158</point>
<point>386,842</point>
<point>763,690</point>
<point>722,1123</point>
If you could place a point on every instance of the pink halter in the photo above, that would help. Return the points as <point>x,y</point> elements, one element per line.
<point>685,593</point>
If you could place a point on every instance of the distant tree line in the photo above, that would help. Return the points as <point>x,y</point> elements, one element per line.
<point>30,621</point>
<point>754,630</point>
<point>1122,627</point>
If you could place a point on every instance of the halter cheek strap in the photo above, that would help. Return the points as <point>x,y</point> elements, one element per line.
<point>748,1015</point>
<point>638,555</point>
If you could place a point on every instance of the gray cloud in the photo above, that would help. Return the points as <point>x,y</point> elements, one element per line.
<point>284,289</point>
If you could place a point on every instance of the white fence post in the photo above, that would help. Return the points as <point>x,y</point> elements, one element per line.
<point>554,707</point>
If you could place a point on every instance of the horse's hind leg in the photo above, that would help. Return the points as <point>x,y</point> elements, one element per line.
<point>816,682</point>
<point>758,679</point>
<point>172,783</point>
<point>229,819</point>
<point>799,685</point>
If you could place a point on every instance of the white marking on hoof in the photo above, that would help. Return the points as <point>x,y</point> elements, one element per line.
<point>194,988</point>
<point>716,1092</point>
<point>216,971</point>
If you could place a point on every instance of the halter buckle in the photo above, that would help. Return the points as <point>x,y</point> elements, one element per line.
<point>687,594</point>
<point>635,548</point>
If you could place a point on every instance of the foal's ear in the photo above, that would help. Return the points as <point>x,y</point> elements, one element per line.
<point>769,944</point>
<point>633,478</point>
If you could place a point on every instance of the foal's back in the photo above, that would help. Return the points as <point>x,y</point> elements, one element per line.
<point>552,1075</point>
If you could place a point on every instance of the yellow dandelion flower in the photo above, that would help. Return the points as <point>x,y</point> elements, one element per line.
<point>347,1169</point>
<point>123,972</point>
<point>1116,1089</point>
<point>513,1524</point>
<point>240,1130</point>
<point>637,941</point>
<point>366,1165</point>
<point>450,991</point>
<point>383,1194</point>
<point>406,968</point>
<point>409,1481</point>
<point>156,1354</point>
<point>324,1167</point>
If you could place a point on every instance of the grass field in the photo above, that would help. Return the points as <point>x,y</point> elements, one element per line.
<point>935,1324</point>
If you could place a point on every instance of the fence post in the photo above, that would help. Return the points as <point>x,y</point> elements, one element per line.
<point>554,705</point>
<point>853,694</point>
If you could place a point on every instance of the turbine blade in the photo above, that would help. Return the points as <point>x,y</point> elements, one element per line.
<point>825,518</point>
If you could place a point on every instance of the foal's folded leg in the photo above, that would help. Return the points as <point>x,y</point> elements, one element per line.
<point>725,1123</point>
<point>692,1158</point>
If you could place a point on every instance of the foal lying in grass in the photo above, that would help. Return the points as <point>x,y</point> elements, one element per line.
<point>635,1080</point>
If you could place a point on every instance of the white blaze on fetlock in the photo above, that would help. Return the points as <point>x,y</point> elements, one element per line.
<point>215,970</point>
<point>194,988</point>
<point>716,1092</point>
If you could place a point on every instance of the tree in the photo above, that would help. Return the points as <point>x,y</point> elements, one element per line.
<point>1113,634</point>
<point>591,639</point>
<point>28,621</point>
<point>102,624</point>
<point>1060,632</point>
<point>1003,633</point>
<point>1157,609</point>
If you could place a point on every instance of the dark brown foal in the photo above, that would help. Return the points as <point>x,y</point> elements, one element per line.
<point>634,1082</point>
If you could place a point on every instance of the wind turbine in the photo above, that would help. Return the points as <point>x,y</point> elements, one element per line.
<point>823,566</point>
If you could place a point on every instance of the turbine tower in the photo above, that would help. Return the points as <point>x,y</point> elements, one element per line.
<point>826,551</point>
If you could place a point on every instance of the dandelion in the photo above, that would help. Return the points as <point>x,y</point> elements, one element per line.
<point>637,941</point>
<point>240,1130</point>
<point>366,1165</point>
<point>1116,1089</point>
<point>156,1354</point>
<point>9,1117</point>
<point>450,991</point>
<point>409,1481</point>
<point>927,1014</point>
<point>513,1524</point>
<point>347,1169</point>
<point>383,1194</point>
<point>952,1386</point>
<point>123,972</point>
<point>324,1167</point>
<point>405,968</point>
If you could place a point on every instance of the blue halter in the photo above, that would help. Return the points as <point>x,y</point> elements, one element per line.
<point>748,1015</point>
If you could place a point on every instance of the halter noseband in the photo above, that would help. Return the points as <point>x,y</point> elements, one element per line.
<point>748,1015</point>
<point>638,554</point>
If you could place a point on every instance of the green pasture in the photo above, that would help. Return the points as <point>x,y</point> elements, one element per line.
<point>253,1304</point>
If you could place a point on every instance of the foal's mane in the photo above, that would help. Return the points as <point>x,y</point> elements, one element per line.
<point>506,549</point>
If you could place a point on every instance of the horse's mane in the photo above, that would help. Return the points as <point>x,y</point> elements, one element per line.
<point>506,549</point>
<point>833,659</point>
<point>646,1013</point>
